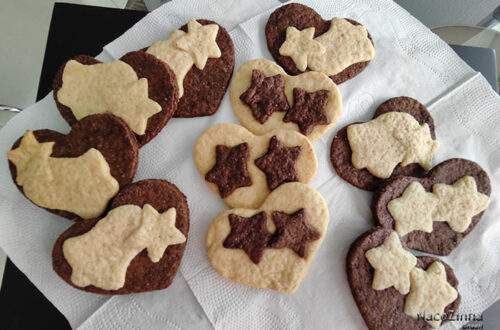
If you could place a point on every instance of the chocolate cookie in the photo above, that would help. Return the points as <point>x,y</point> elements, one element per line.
<point>106,133</point>
<point>142,274</point>
<point>443,239</point>
<point>162,89</point>
<point>341,153</point>
<point>384,309</point>
<point>302,17</point>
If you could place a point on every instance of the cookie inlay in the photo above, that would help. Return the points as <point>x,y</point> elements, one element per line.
<point>308,109</point>
<point>301,46</point>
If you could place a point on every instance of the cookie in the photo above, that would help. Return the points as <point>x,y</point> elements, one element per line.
<point>148,224</point>
<point>434,213</point>
<point>299,39</point>
<point>369,263</point>
<point>422,126</point>
<point>75,175</point>
<point>273,246</point>
<point>201,54</point>
<point>265,98</point>
<point>244,168</point>
<point>84,86</point>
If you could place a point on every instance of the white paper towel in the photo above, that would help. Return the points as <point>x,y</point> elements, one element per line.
<point>410,61</point>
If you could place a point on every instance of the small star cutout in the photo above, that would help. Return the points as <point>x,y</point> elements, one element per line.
<point>430,293</point>
<point>308,109</point>
<point>200,43</point>
<point>413,210</point>
<point>300,46</point>
<point>279,163</point>
<point>392,265</point>
<point>249,234</point>
<point>265,96</point>
<point>230,170</point>
<point>292,231</point>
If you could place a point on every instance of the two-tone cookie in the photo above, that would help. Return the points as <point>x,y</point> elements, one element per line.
<point>399,140</point>
<point>244,168</point>
<point>75,175</point>
<point>136,247</point>
<point>138,88</point>
<point>299,39</point>
<point>201,54</point>
<point>264,98</point>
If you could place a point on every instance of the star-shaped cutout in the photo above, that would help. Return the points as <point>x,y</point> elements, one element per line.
<point>459,203</point>
<point>279,163</point>
<point>230,170</point>
<point>392,265</point>
<point>292,231</point>
<point>308,109</point>
<point>265,95</point>
<point>430,293</point>
<point>249,234</point>
<point>200,42</point>
<point>413,210</point>
<point>300,46</point>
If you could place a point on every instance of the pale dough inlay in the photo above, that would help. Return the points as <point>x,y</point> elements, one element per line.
<point>341,46</point>
<point>392,265</point>
<point>101,256</point>
<point>82,185</point>
<point>181,50</point>
<point>392,138</point>
<point>107,87</point>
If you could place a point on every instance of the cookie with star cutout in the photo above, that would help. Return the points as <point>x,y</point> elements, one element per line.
<point>436,212</point>
<point>270,247</point>
<point>264,98</point>
<point>244,168</point>
<point>392,287</point>
<point>300,40</point>
<point>136,247</point>
<point>201,54</point>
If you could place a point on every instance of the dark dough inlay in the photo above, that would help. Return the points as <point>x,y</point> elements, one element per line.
<point>265,95</point>
<point>308,109</point>
<point>292,231</point>
<point>249,234</point>
<point>230,170</point>
<point>279,163</point>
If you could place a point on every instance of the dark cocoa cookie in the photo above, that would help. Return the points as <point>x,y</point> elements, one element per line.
<point>443,239</point>
<point>142,274</point>
<point>162,89</point>
<point>302,17</point>
<point>341,153</point>
<point>384,309</point>
<point>106,133</point>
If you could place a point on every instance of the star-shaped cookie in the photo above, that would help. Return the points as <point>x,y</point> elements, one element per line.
<point>308,109</point>
<point>230,170</point>
<point>292,231</point>
<point>200,42</point>
<point>249,234</point>
<point>265,95</point>
<point>392,265</point>
<point>279,163</point>
<point>300,46</point>
<point>413,210</point>
<point>430,293</point>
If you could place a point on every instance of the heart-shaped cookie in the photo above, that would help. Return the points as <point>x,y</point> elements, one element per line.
<point>341,154</point>
<point>244,168</point>
<point>136,247</point>
<point>138,88</point>
<point>273,246</point>
<point>75,175</point>
<point>300,39</point>
<point>265,98</point>
<point>437,218</point>
<point>201,54</point>
<point>386,307</point>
